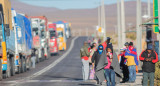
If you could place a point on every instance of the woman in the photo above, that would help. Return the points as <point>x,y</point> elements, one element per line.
<point>92,50</point>
<point>112,70</point>
<point>99,57</point>
<point>109,72</point>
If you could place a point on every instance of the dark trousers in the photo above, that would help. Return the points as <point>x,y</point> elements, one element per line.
<point>147,76</point>
<point>125,72</point>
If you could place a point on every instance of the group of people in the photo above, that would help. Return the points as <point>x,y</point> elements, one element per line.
<point>100,62</point>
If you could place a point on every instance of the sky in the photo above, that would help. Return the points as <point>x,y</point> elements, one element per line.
<point>70,4</point>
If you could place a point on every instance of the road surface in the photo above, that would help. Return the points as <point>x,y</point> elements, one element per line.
<point>62,70</point>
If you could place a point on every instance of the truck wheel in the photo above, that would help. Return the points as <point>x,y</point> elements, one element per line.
<point>0,70</point>
<point>29,63</point>
<point>22,66</point>
<point>5,75</point>
<point>25,68</point>
<point>12,69</point>
<point>8,72</point>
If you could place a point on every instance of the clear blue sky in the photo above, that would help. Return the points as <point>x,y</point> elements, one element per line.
<point>70,4</point>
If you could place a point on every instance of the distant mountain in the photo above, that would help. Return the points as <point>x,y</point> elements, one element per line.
<point>82,18</point>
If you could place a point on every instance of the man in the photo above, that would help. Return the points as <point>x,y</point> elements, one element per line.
<point>132,62</point>
<point>107,42</point>
<point>149,58</point>
<point>84,54</point>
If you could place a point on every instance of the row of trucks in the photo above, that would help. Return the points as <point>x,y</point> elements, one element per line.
<point>20,34</point>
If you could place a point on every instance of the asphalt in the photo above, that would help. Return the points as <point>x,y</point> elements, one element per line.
<point>66,70</point>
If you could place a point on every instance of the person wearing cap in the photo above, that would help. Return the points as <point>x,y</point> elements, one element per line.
<point>132,62</point>
<point>99,60</point>
<point>123,66</point>
<point>84,54</point>
<point>106,43</point>
<point>149,57</point>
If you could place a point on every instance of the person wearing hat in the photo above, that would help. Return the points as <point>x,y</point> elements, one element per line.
<point>149,57</point>
<point>123,66</point>
<point>84,54</point>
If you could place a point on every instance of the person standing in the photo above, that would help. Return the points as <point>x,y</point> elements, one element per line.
<point>123,66</point>
<point>92,50</point>
<point>149,58</point>
<point>132,62</point>
<point>33,57</point>
<point>84,54</point>
<point>112,70</point>
<point>100,60</point>
<point>106,43</point>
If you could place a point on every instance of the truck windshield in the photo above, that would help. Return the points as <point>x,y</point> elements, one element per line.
<point>60,34</point>
<point>52,34</point>
<point>35,31</point>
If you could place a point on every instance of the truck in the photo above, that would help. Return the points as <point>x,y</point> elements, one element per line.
<point>61,35</point>
<point>68,30</point>
<point>12,60</point>
<point>23,41</point>
<point>53,43</point>
<point>6,55</point>
<point>40,36</point>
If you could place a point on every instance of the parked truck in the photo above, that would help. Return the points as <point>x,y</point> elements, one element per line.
<point>12,59</point>
<point>40,36</point>
<point>6,54</point>
<point>61,35</point>
<point>53,43</point>
<point>23,41</point>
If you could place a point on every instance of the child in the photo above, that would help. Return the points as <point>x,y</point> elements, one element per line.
<point>109,72</point>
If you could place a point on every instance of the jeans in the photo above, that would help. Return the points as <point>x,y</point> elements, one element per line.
<point>110,76</point>
<point>85,69</point>
<point>132,73</point>
<point>145,78</point>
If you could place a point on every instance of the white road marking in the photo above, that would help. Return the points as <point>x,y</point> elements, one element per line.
<point>54,63</point>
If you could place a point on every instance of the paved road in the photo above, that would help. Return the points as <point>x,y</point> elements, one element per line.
<point>62,70</point>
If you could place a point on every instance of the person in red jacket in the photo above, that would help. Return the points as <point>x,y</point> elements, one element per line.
<point>149,57</point>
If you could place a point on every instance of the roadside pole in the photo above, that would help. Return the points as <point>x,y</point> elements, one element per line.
<point>123,22</point>
<point>103,22</point>
<point>119,25</point>
<point>149,8</point>
<point>139,29</point>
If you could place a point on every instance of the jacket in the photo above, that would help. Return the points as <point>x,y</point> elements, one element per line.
<point>148,66</point>
<point>84,52</point>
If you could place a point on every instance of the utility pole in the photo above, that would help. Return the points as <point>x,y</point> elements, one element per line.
<point>149,8</point>
<point>123,22</point>
<point>99,16</point>
<point>103,23</point>
<point>119,25</point>
<point>138,28</point>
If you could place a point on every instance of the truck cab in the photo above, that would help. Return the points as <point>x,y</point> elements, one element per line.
<point>53,44</point>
